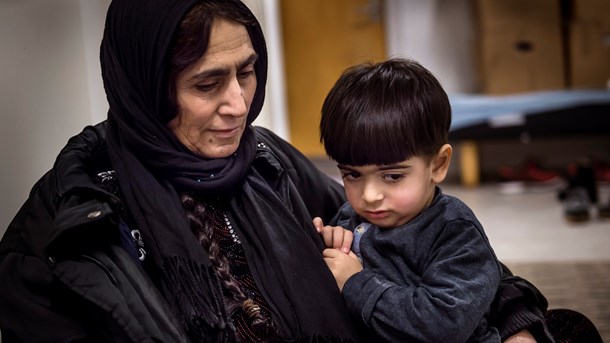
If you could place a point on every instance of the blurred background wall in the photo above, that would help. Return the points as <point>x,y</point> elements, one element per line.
<point>49,87</point>
<point>50,83</point>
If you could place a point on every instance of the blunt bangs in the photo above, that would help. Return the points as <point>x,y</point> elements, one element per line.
<point>384,114</point>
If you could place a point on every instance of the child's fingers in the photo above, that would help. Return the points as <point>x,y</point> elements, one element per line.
<point>327,236</point>
<point>318,223</point>
<point>348,239</point>
<point>339,238</point>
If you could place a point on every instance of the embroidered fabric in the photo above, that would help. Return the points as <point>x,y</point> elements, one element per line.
<point>231,247</point>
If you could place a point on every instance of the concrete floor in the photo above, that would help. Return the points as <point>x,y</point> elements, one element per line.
<point>530,227</point>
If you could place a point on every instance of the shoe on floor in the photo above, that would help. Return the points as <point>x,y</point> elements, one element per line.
<point>576,204</point>
<point>581,175</point>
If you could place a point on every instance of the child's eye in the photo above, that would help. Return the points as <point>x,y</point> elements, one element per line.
<point>350,175</point>
<point>393,177</point>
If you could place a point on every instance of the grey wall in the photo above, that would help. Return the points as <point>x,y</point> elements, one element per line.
<point>44,91</point>
<point>437,33</point>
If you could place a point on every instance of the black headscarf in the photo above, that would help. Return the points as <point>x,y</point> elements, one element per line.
<point>151,164</point>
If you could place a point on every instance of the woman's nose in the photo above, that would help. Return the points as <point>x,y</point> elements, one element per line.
<point>234,103</point>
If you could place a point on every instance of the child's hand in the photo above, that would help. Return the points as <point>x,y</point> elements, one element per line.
<point>343,266</point>
<point>522,336</point>
<point>334,236</point>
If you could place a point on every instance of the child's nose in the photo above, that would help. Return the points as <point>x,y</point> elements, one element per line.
<point>371,194</point>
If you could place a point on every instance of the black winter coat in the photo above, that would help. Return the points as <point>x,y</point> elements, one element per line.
<point>64,274</point>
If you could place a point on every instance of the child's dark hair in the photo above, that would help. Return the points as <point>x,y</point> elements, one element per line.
<point>384,113</point>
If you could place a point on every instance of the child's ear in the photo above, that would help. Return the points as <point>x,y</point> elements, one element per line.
<point>440,163</point>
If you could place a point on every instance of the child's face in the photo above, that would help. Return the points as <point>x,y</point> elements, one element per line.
<point>390,195</point>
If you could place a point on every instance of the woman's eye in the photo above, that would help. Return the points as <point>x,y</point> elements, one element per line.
<point>245,74</point>
<point>206,87</point>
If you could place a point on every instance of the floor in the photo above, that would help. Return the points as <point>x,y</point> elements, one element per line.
<point>529,226</point>
<point>579,286</point>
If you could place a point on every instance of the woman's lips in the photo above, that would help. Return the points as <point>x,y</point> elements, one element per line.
<point>226,133</point>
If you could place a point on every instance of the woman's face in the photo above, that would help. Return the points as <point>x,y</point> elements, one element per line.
<point>214,95</point>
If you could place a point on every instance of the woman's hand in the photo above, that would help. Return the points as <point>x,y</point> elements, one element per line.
<point>342,265</point>
<point>522,336</point>
<point>334,237</point>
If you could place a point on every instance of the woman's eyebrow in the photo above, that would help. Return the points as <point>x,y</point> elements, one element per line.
<point>222,71</point>
<point>250,60</point>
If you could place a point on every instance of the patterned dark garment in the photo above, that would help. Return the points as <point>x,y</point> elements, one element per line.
<point>569,326</point>
<point>231,247</point>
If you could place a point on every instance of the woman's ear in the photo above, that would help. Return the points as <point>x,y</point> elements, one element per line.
<point>440,163</point>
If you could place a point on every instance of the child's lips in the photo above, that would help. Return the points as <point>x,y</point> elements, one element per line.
<point>377,214</point>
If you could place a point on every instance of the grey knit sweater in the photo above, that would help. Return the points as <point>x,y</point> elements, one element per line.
<point>430,280</point>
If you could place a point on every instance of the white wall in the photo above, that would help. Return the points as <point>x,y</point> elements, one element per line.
<point>437,33</point>
<point>93,15</point>
<point>273,114</point>
<point>44,88</point>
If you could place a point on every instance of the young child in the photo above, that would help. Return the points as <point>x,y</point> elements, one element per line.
<point>421,268</point>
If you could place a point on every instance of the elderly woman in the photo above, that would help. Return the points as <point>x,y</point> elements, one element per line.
<point>176,220</point>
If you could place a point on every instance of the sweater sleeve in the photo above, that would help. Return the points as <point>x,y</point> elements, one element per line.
<point>519,305</point>
<point>445,305</point>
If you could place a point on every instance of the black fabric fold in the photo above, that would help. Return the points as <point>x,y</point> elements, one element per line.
<point>186,277</point>
<point>299,287</point>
